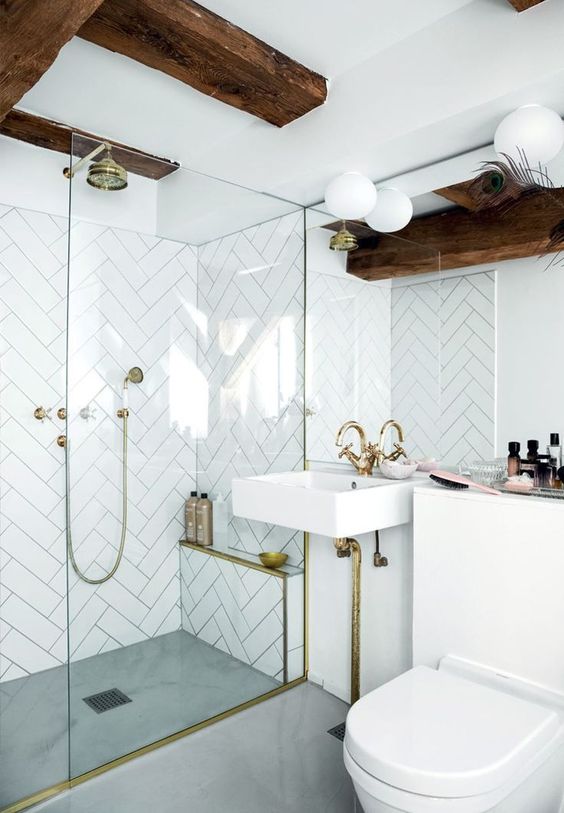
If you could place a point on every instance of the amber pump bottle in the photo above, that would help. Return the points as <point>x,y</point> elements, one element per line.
<point>190,516</point>
<point>204,521</point>
<point>514,459</point>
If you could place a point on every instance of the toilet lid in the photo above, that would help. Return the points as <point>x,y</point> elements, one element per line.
<point>436,734</point>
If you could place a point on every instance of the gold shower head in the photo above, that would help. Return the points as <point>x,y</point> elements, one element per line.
<point>106,174</point>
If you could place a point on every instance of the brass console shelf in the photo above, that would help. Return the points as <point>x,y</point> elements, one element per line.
<point>248,560</point>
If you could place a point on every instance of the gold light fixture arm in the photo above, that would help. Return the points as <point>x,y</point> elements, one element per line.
<point>70,172</point>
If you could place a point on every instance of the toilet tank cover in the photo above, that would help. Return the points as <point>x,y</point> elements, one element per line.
<point>436,734</point>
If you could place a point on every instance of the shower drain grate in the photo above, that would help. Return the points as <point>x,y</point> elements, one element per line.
<point>338,731</point>
<point>104,701</point>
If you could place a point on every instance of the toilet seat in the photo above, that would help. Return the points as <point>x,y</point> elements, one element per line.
<point>433,734</point>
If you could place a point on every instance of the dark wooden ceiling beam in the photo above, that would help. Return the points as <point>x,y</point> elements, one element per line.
<point>31,36</point>
<point>463,239</point>
<point>196,46</point>
<point>52,135</point>
<point>523,5</point>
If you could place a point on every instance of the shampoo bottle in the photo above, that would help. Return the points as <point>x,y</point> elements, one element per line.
<point>190,516</point>
<point>204,521</point>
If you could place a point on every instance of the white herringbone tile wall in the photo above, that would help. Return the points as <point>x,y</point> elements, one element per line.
<point>416,346</point>
<point>468,368</point>
<point>250,354</point>
<point>251,294</point>
<point>33,613</point>
<point>132,301</point>
<point>234,608</point>
<point>420,352</point>
<point>348,364</point>
<point>443,366</point>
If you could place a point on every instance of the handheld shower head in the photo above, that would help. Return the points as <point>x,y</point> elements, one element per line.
<point>135,375</point>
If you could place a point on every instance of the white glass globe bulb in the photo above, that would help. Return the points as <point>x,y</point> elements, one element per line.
<point>532,132</point>
<point>392,212</point>
<point>350,196</point>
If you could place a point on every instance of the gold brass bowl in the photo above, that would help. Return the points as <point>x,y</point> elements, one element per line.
<point>273,558</point>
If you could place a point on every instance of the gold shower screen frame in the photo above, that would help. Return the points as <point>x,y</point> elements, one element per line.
<point>59,787</point>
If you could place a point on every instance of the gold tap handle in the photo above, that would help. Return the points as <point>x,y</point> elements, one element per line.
<point>345,449</point>
<point>399,451</point>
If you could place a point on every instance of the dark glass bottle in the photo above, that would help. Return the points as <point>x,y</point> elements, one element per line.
<point>532,450</point>
<point>514,459</point>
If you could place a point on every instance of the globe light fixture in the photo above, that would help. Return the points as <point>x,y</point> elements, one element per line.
<point>392,212</point>
<point>350,196</point>
<point>533,134</point>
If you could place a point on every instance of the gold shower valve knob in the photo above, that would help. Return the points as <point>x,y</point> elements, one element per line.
<point>62,441</point>
<point>61,413</point>
<point>122,413</point>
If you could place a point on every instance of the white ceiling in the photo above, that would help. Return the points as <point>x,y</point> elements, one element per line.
<point>411,82</point>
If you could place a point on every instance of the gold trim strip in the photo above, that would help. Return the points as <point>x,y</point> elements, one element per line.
<point>35,798</point>
<point>146,749</point>
<point>184,733</point>
<point>237,560</point>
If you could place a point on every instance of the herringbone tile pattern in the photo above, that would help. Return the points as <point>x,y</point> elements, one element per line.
<point>467,425</point>
<point>33,615</point>
<point>234,608</point>
<point>443,366</point>
<point>348,348</point>
<point>416,393</point>
<point>132,301</point>
<point>250,353</point>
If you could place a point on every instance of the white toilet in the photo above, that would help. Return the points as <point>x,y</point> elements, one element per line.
<point>452,735</point>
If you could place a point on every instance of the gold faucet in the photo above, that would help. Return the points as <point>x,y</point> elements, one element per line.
<point>364,462</point>
<point>398,450</point>
<point>370,453</point>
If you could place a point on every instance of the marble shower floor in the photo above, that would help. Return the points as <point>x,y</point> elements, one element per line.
<point>174,681</point>
<point>275,757</point>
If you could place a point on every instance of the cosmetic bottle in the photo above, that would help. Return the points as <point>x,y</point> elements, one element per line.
<point>514,459</point>
<point>532,450</point>
<point>545,475</point>
<point>190,516</point>
<point>204,521</point>
<point>554,449</point>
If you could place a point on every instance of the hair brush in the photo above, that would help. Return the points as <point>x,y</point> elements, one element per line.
<point>448,479</point>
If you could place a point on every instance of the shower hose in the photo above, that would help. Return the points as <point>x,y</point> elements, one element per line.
<point>70,546</point>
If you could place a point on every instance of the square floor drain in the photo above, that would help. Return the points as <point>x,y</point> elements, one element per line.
<point>104,701</point>
<point>338,731</point>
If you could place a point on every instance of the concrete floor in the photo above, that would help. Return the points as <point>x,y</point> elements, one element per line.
<point>273,758</point>
<point>174,681</point>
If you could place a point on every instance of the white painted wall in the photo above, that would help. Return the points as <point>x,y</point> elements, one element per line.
<point>386,612</point>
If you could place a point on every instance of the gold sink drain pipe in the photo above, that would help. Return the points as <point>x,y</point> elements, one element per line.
<point>345,548</point>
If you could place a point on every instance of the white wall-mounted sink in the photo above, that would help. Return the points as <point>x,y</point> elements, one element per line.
<point>326,503</point>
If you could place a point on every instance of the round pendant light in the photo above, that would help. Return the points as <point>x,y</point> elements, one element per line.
<point>532,133</point>
<point>392,212</point>
<point>350,196</point>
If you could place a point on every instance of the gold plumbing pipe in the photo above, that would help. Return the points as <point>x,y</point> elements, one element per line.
<point>345,548</point>
<point>70,172</point>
